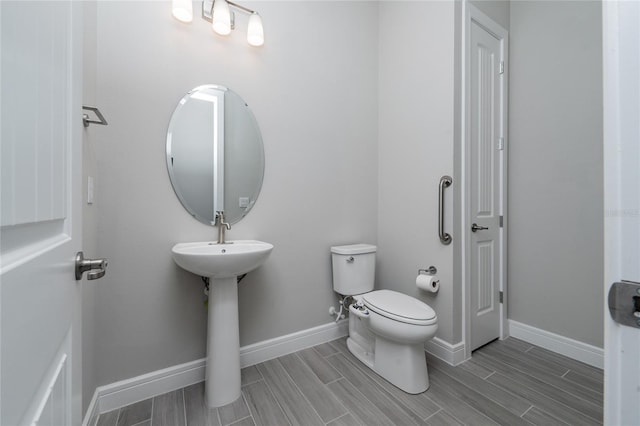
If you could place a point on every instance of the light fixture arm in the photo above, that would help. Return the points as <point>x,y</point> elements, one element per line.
<point>207,9</point>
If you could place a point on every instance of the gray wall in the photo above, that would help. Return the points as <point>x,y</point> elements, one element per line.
<point>498,10</point>
<point>313,90</point>
<point>416,67</point>
<point>555,181</point>
<point>359,123</point>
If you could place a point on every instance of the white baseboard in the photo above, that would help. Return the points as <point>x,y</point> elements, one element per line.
<point>451,354</point>
<point>129,391</point>
<point>571,348</point>
<point>283,345</point>
<point>125,392</point>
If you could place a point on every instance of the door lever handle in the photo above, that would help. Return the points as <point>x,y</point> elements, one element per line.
<point>475,227</point>
<point>97,266</point>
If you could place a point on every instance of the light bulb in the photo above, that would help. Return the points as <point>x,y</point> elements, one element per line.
<point>221,17</point>
<point>182,10</point>
<point>255,32</point>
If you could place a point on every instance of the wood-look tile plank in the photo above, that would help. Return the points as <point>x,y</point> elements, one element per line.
<point>477,400</point>
<point>197,412</point>
<point>339,345</point>
<point>249,375</point>
<point>247,421</point>
<point>588,382</point>
<point>475,369</point>
<point>420,404</point>
<point>524,361</point>
<point>456,407</point>
<point>320,367</point>
<point>517,344</point>
<point>263,406</point>
<point>109,418</point>
<point>581,368</point>
<point>168,409</point>
<point>323,401</point>
<point>516,405</point>
<point>135,413</point>
<point>345,420</point>
<point>587,401</point>
<point>398,413</point>
<point>233,412</point>
<point>541,418</point>
<point>293,403</point>
<point>540,399</point>
<point>325,349</point>
<point>442,418</point>
<point>358,405</point>
<point>145,423</point>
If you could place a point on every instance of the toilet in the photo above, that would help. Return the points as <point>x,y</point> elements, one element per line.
<point>387,329</point>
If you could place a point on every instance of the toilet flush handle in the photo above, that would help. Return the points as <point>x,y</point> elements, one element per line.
<point>350,259</point>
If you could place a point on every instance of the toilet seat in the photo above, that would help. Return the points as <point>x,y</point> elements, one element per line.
<point>399,307</point>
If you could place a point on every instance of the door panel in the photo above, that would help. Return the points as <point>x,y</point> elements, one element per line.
<point>40,151</point>
<point>485,128</point>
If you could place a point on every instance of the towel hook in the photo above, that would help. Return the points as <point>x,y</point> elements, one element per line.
<point>96,111</point>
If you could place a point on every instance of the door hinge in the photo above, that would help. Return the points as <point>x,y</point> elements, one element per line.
<point>501,221</point>
<point>501,297</point>
<point>500,144</point>
<point>501,67</point>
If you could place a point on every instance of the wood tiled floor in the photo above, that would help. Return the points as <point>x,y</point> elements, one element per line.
<point>505,383</point>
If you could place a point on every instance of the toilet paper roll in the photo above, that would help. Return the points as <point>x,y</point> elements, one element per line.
<point>429,283</point>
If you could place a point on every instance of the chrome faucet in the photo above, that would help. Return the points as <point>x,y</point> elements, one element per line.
<point>221,227</point>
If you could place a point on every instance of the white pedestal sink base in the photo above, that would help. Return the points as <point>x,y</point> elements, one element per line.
<point>212,260</point>
<point>222,385</point>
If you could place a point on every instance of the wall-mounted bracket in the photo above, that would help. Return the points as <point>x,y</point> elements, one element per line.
<point>431,270</point>
<point>85,117</point>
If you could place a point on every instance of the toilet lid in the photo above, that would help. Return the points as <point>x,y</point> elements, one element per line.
<point>398,306</point>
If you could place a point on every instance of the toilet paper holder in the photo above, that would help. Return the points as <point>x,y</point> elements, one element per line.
<point>431,270</point>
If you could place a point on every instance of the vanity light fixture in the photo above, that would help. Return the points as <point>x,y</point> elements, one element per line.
<point>222,18</point>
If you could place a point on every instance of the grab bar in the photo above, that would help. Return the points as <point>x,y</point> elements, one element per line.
<point>445,182</point>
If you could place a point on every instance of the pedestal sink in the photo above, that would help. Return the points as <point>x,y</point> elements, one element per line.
<point>222,263</point>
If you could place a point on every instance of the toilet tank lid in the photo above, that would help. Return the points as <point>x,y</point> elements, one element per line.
<point>354,249</point>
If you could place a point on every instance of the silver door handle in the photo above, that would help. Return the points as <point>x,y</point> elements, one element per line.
<point>97,266</point>
<point>445,182</point>
<point>475,227</point>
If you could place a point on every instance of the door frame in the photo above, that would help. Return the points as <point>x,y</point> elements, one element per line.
<point>621,63</point>
<point>471,14</point>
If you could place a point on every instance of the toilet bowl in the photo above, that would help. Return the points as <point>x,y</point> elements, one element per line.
<point>390,339</point>
<point>387,329</point>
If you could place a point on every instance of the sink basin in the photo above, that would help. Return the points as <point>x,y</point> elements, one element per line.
<point>221,260</point>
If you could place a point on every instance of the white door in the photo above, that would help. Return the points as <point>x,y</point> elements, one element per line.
<point>40,215</point>
<point>486,139</point>
<point>621,57</point>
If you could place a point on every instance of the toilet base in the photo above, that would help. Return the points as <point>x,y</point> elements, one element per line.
<point>402,365</point>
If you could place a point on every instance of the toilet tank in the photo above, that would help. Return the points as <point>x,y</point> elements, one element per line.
<point>354,268</point>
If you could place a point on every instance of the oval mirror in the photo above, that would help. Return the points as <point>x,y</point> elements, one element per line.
<point>215,154</point>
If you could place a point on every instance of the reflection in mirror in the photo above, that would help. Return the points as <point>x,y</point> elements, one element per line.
<point>215,155</point>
